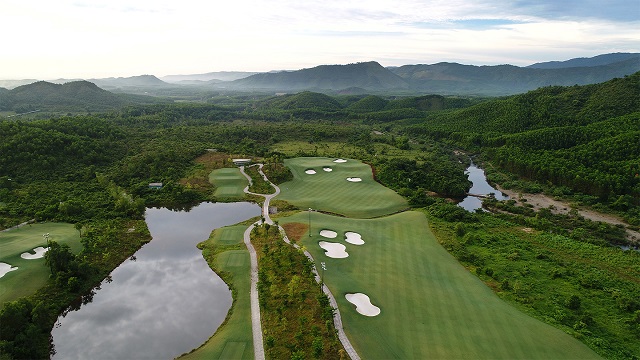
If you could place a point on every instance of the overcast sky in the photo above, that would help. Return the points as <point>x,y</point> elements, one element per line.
<point>100,38</point>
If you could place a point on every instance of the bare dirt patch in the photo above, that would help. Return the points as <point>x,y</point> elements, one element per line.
<point>295,230</point>
<point>539,201</point>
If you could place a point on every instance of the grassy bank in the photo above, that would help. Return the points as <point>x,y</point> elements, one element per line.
<point>228,257</point>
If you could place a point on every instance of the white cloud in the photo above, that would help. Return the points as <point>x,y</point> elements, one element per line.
<point>82,38</point>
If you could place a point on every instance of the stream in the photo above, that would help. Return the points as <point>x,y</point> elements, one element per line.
<point>480,187</point>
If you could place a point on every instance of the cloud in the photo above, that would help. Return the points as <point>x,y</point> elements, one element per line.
<point>82,38</point>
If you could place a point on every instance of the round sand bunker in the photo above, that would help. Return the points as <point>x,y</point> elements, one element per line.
<point>5,268</point>
<point>310,171</point>
<point>327,169</point>
<point>363,304</point>
<point>39,253</point>
<point>339,161</point>
<point>328,234</point>
<point>334,250</point>
<point>353,238</point>
<point>354,179</point>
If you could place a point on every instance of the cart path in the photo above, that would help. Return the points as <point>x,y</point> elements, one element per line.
<point>255,305</point>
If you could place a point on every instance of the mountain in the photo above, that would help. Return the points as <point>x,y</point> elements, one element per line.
<point>10,84</point>
<point>218,75</point>
<point>453,78</point>
<point>367,75</point>
<point>599,60</point>
<point>133,81</point>
<point>74,96</point>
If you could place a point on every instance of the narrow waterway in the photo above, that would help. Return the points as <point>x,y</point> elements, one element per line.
<point>480,187</point>
<point>162,304</point>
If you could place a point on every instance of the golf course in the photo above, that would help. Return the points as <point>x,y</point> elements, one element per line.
<point>229,183</point>
<point>429,305</point>
<point>31,273</point>
<point>328,189</point>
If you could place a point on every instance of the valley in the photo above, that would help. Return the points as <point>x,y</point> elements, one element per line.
<point>383,172</point>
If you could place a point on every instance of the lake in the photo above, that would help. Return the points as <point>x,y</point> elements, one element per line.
<point>480,187</point>
<point>161,304</point>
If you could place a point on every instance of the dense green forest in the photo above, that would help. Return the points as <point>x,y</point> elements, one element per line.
<point>581,142</point>
<point>585,139</point>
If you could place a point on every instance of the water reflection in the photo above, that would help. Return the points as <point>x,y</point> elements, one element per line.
<point>480,187</point>
<point>161,303</point>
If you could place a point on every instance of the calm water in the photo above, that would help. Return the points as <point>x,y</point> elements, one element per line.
<point>163,304</point>
<point>480,187</point>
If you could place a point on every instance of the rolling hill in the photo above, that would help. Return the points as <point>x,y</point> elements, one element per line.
<point>73,96</point>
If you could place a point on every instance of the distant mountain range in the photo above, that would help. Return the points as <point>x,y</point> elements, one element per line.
<point>599,60</point>
<point>367,75</point>
<point>371,77</point>
<point>442,78</point>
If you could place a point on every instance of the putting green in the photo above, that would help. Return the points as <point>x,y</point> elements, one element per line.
<point>229,182</point>
<point>331,191</point>
<point>31,274</point>
<point>234,339</point>
<point>431,306</point>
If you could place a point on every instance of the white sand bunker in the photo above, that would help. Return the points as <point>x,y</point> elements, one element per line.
<point>39,253</point>
<point>327,169</point>
<point>354,179</point>
<point>339,161</point>
<point>334,250</point>
<point>5,268</point>
<point>310,171</point>
<point>353,238</point>
<point>328,234</point>
<point>363,304</point>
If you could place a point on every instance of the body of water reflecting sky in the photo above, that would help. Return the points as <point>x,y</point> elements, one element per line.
<point>163,304</point>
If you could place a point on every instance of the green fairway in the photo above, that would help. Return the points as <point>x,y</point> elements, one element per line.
<point>31,274</point>
<point>229,183</point>
<point>331,192</point>
<point>234,339</point>
<point>431,306</point>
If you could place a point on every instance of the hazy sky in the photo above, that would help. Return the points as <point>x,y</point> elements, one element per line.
<point>100,38</point>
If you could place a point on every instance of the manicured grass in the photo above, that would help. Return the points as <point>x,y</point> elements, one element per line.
<point>234,339</point>
<point>31,274</point>
<point>229,183</point>
<point>331,192</point>
<point>431,306</point>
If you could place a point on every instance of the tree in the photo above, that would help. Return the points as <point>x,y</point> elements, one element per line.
<point>58,257</point>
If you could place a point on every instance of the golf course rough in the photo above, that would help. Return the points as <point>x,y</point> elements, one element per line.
<point>430,305</point>
<point>17,248</point>
<point>330,192</point>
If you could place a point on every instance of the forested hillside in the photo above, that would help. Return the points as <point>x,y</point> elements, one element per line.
<point>76,96</point>
<point>584,138</point>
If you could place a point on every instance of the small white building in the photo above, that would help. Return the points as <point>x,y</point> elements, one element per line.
<point>241,162</point>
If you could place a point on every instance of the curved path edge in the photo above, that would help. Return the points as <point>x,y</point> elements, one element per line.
<point>255,305</point>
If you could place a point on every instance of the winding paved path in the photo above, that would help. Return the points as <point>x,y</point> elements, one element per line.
<point>258,346</point>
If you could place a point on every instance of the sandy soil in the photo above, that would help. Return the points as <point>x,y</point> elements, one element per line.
<point>353,238</point>
<point>363,304</point>
<point>540,201</point>
<point>354,179</point>
<point>339,161</point>
<point>39,253</point>
<point>310,172</point>
<point>334,250</point>
<point>5,268</point>
<point>328,234</point>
